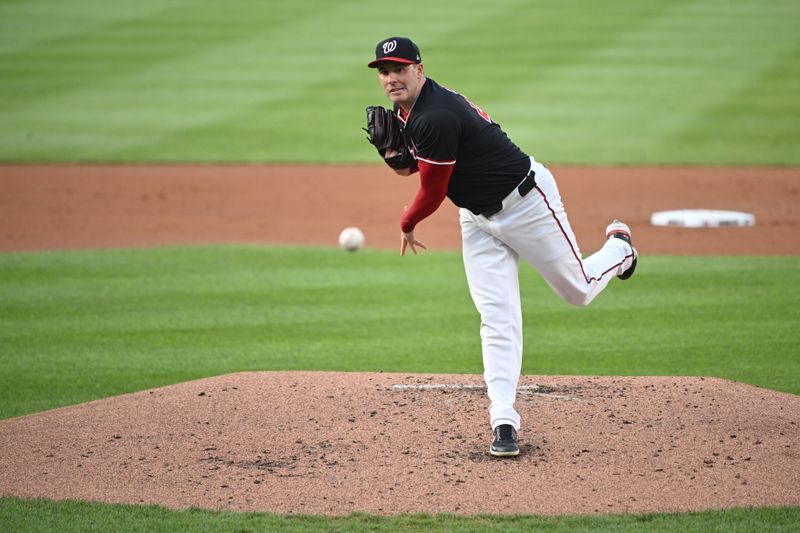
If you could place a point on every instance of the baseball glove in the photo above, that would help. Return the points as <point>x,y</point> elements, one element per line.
<point>383,130</point>
<point>385,133</point>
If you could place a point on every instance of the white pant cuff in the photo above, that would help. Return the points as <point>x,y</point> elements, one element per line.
<point>501,421</point>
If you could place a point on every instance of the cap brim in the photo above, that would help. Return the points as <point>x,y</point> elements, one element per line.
<point>373,64</point>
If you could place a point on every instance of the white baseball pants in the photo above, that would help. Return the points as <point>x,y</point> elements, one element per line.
<point>533,227</point>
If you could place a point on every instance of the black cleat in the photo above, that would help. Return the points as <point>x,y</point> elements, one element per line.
<point>505,441</point>
<point>631,269</point>
<point>619,230</point>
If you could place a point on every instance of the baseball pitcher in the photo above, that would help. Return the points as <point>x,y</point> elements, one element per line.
<point>510,208</point>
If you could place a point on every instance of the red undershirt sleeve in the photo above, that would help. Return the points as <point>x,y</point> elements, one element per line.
<point>433,182</point>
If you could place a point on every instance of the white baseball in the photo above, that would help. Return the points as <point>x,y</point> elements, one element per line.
<point>351,239</point>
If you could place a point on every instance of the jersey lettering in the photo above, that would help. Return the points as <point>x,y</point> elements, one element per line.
<point>484,115</point>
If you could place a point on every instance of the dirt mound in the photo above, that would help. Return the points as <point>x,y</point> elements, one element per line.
<point>336,443</point>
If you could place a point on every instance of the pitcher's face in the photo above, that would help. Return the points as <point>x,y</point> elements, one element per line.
<point>401,82</point>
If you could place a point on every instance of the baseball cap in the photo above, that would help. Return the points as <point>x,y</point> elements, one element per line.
<point>398,49</point>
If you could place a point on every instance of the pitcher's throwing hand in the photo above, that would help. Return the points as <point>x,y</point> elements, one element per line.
<point>407,240</point>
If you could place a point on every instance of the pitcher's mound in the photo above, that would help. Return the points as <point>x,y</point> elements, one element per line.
<point>336,443</point>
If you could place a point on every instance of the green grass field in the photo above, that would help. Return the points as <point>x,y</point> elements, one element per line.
<point>585,81</point>
<point>79,517</point>
<point>78,326</point>
<point>708,82</point>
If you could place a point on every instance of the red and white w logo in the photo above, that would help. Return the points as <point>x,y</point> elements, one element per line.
<point>389,46</point>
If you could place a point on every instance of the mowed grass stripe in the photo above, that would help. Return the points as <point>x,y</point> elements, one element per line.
<point>771,94</point>
<point>456,50</point>
<point>651,84</point>
<point>77,326</point>
<point>315,103</point>
<point>138,81</point>
<point>25,26</point>
<point>188,82</point>
<point>582,82</point>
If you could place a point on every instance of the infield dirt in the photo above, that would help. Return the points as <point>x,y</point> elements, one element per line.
<point>334,443</point>
<point>97,206</point>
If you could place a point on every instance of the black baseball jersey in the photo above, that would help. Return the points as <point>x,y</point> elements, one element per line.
<point>444,127</point>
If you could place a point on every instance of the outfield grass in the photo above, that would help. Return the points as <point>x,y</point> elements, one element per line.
<point>77,326</point>
<point>585,81</point>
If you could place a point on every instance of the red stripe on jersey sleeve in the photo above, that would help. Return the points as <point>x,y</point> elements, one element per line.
<point>435,162</point>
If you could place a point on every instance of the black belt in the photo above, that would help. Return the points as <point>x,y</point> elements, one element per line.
<point>524,188</point>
